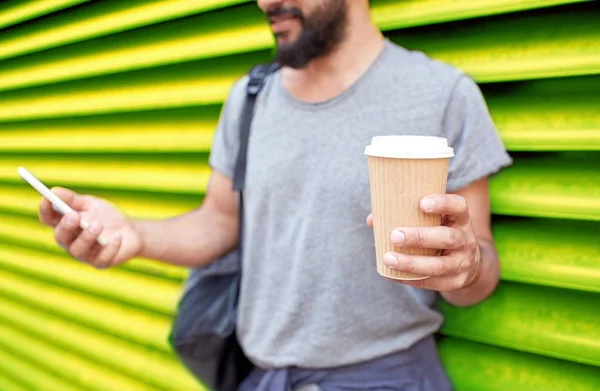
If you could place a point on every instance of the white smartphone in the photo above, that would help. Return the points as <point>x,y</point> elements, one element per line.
<point>57,204</point>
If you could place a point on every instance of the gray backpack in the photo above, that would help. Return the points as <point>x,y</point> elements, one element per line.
<point>203,333</point>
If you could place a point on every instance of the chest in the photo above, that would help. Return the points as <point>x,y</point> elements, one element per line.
<point>291,144</point>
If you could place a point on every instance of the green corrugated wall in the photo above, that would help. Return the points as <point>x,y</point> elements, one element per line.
<point>120,98</point>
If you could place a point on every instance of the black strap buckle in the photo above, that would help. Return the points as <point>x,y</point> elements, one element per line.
<point>258,74</point>
<point>255,84</point>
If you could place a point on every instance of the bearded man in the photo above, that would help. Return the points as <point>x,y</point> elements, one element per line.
<point>313,313</point>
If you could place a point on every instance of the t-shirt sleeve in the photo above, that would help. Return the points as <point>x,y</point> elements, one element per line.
<point>478,149</point>
<point>225,144</point>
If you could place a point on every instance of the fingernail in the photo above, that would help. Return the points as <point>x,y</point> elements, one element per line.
<point>117,236</point>
<point>397,237</point>
<point>390,260</point>
<point>94,227</point>
<point>72,219</point>
<point>101,266</point>
<point>427,204</point>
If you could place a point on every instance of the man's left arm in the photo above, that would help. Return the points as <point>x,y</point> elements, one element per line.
<point>467,268</point>
<point>487,276</point>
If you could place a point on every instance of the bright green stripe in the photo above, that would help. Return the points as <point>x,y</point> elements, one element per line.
<point>26,10</point>
<point>93,311</point>
<point>120,16</point>
<point>22,199</point>
<point>244,30</point>
<point>552,322</point>
<point>29,375</point>
<point>554,253</point>
<point>478,367</point>
<point>528,119</point>
<point>547,43</point>
<point>546,187</point>
<point>550,252</point>
<point>8,384</point>
<point>68,365</point>
<point>178,86</point>
<point>557,187</point>
<point>166,175</point>
<point>133,360</point>
<point>146,292</point>
<point>27,231</point>
<point>186,129</point>
<point>198,37</point>
<point>548,115</point>
<point>541,115</point>
<point>98,19</point>
<point>394,14</point>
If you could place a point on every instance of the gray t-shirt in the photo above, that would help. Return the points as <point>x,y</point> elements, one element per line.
<point>311,296</point>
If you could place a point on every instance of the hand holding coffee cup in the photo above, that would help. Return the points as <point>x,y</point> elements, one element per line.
<point>458,261</point>
<point>413,244</point>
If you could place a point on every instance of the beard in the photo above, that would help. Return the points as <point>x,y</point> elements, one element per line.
<point>322,30</point>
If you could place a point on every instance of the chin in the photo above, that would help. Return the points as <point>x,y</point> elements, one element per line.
<point>286,38</point>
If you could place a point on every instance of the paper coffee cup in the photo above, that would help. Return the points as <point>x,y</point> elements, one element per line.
<point>403,170</point>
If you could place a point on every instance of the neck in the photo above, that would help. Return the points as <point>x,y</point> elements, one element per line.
<point>330,75</point>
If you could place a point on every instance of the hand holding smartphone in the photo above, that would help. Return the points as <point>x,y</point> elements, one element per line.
<point>58,204</point>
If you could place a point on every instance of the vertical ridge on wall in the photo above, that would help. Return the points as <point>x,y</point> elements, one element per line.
<point>89,89</point>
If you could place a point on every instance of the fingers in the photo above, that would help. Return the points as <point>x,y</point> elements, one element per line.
<point>440,284</point>
<point>47,215</point>
<point>67,229</point>
<point>451,205</point>
<point>440,237</point>
<point>83,244</point>
<point>370,220</point>
<point>108,253</point>
<point>50,216</point>
<point>74,200</point>
<point>423,265</point>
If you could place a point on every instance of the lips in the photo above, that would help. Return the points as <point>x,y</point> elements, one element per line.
<point>280,18</point>
<point>281,23</point>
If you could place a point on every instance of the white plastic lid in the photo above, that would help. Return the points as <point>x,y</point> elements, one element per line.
<point>409,147</point>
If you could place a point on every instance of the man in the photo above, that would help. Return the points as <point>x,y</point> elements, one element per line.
<point>311,299</point>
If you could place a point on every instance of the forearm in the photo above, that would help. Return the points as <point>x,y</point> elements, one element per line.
<point>484,285</point>
<point>192,240</point>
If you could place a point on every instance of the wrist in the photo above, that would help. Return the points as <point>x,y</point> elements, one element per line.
<point>140,227</point>
<point>483,280</point>
<point>476,273</point>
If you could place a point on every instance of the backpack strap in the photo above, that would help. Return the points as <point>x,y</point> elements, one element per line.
<point>257,77</point>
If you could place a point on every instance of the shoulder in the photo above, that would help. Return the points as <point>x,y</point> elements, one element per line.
<point>237,94</point>
<point>422,72</point>
<point>422,65</point>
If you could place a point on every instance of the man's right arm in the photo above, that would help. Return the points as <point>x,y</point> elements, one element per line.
<point>196,238</point>
<point>193,239</point>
